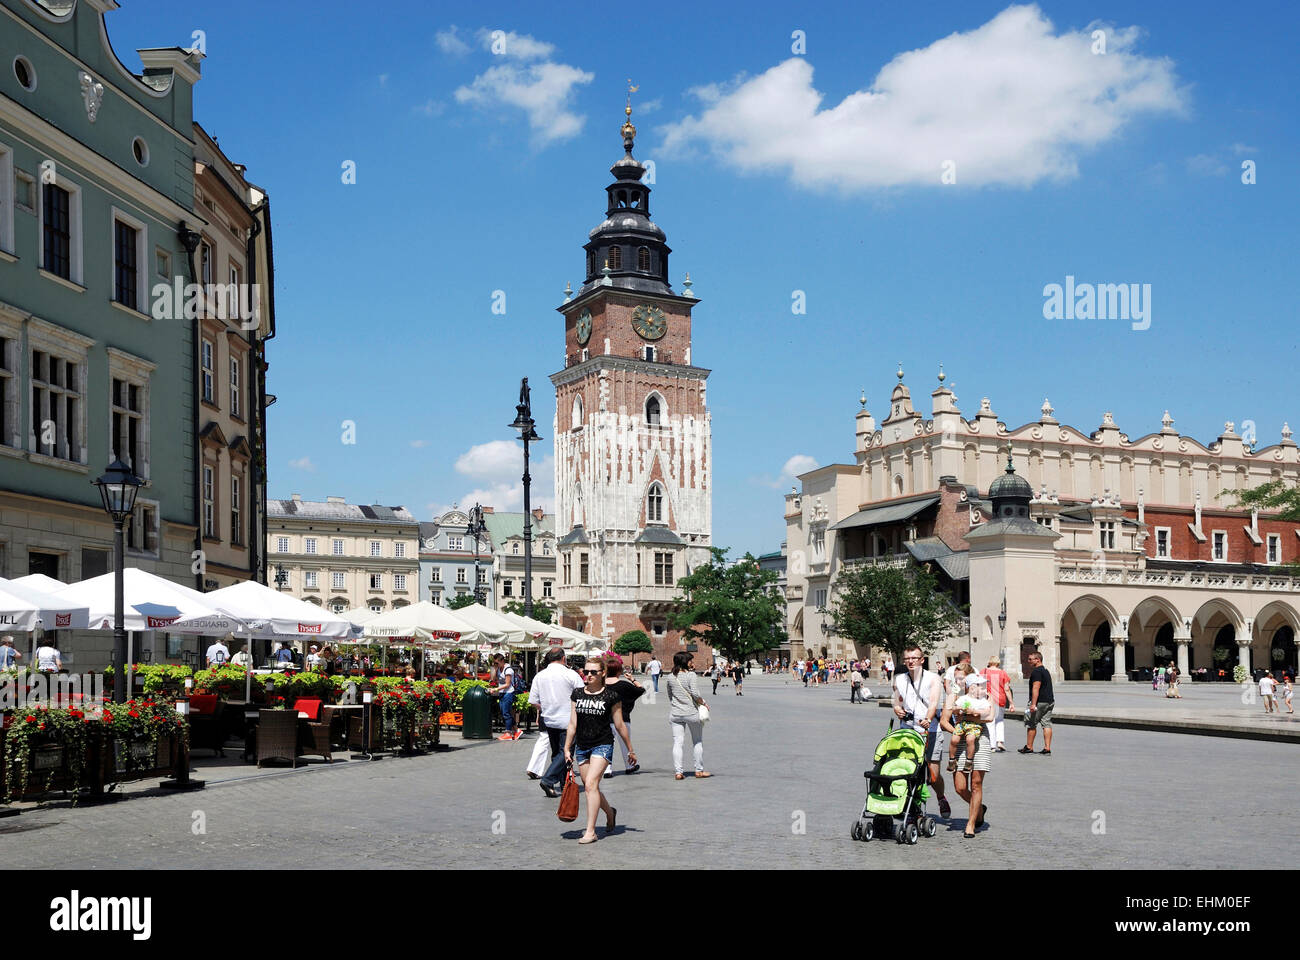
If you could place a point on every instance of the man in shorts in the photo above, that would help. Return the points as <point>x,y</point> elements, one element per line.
<point>1039,711</point>
<point>918,696</point>
<point>1267,688</point>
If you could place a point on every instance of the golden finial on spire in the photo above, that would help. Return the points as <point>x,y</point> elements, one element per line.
<point>629,131</point>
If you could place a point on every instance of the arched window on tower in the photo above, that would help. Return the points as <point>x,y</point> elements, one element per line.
<point>616,258</point>
<point>622,198</point>
<point>654,504</point>
<point>577,411</point>
<point>643,259</point>
<point>591,264</point>
<point>652,411</point>
<point>636,199</point>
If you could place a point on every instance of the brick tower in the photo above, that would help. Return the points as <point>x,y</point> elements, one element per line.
<point>633,465</point>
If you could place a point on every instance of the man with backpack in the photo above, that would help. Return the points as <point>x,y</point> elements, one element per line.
<point>508,684</point>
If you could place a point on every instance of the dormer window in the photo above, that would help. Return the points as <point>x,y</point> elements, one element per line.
<point>654,504</point>
<point>652,406</point>
<point>616,258</point>
<point>643,259</point>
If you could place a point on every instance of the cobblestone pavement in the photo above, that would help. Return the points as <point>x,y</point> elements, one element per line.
<point>784,757</point>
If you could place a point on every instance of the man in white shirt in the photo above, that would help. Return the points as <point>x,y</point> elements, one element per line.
<point>951,672</point>
<point>218,654</point>
<point>1267,685</point>
<point>241,658</point>
<point>918,698</point>
<point>550,693</point>
<point>313,658</point>
<point>654,670</point>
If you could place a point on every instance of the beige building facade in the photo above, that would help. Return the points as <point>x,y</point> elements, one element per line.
<point>1131,553</point>
<point>341,555</point>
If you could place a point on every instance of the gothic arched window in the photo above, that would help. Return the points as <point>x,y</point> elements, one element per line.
<point>643,259</point>
<point>577,411</point>
<point>622,198</point>
<point>652,411</point>
<point>616,258</point>
<point>654,504</point>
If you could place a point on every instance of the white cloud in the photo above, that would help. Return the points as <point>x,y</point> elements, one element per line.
<point>419,443</point>
<point>1205,165</point>
<point>1011,102</point>
<point>497,468</point>
<point>543,91</point>
<point>449,42</point>
<point>303,463</point>
<point>799,463</point>
<point>383,79</point>
<point>518,46</point>
<point>1240,148</point>
<point>431,108</point>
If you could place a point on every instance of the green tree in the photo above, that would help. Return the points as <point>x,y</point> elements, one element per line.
<point>892,607</point>
<point>461,600</point>
<point>738,606</point>
<point>542,613</point>
<point>632,643</point>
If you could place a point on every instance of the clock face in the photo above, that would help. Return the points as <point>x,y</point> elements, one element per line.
<point>584,327</point>
<point>649,322</point>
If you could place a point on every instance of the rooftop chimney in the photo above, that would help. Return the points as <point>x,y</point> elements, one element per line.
<point>297,498</point>
<point>538,513</point>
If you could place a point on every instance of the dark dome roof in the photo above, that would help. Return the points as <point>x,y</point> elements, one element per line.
<point>1011,486</point>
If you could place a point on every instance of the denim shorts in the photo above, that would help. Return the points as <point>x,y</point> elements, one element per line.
<point>582,754</point>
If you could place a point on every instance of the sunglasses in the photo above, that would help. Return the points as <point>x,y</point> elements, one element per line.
<point>592,673</point>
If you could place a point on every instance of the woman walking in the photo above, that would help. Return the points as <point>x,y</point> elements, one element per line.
<point>715,673</point>
<point>1000,694</point>
<point>596,713</point>
<point>684,715</point>
<point>628,690</point>
<point>969,783</point>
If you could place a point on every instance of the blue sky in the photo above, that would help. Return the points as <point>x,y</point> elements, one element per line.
<point>1115,167</point>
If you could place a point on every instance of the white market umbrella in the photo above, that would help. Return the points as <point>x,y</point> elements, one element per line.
<point>40,581</point>
<point>150,603</point>
<point>427,621</point>
<point>25,608</point>
<point>557,635</point>
<point>272,615</point>
<point>514,635</point>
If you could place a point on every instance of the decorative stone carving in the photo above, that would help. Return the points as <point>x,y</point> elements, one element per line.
<point>92,94</point>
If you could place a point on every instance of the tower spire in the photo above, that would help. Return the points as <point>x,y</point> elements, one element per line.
<point>629,130</point>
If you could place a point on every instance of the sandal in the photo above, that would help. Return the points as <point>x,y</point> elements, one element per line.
<point>952,765</point>
<point>680,776</point>
<point>965,835</point>
<point>701,774</point>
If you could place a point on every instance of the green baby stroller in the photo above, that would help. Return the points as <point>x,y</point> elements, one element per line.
<point>897,791</point>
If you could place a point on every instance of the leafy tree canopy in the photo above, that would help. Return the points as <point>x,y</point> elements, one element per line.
<point>735,608</point>
<point>462,600</point>
<point>1275,495</point>
<point>542,612</point>
<point>892,607</point>
<point>634,641</point>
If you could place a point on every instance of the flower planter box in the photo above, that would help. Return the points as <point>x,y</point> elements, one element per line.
<point>48,773</point>
<point>138,760</point>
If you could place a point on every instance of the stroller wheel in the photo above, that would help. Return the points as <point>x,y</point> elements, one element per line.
<point>930,827</point>
<point>855,831</point>
<point>911,833</point>
<point>868,830</point>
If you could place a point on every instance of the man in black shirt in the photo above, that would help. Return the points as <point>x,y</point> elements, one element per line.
<point>1039,711</point>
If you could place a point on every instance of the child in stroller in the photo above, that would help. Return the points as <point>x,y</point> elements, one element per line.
<point>897,791</point>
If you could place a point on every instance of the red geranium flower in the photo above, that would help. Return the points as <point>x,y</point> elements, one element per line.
<point>31,719</point>
<point>41,727</point>
<point>133,713</point>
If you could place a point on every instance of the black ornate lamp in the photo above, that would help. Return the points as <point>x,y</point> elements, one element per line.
<point>117,489</point>
<point>524,424</point>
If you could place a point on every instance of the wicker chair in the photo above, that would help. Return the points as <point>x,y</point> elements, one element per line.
<point>277,736</point>
<point>315,729</point>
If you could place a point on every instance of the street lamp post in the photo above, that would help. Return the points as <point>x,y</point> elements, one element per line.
<point>118,488</point>
<point>281,577</point>
<point>475,529</point>
<point>524,424</point>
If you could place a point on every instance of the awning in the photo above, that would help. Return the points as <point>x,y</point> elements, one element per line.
<point>894,513</point>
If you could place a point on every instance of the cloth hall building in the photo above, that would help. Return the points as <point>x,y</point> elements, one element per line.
<point>1106,553</point>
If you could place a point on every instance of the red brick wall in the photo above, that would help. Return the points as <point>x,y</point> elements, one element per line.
<point>1184,546</point>
<point>611,316</point>
<point>664,647</point>
<point>952,522</point>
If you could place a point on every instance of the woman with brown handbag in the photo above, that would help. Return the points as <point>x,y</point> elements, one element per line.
<point>595,707</point>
